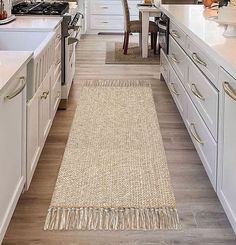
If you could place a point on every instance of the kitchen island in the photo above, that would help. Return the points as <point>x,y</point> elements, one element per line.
<point>200,72</point>
<point>197,23</point>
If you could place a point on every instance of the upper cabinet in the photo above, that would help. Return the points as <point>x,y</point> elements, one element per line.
<point>227,146</point>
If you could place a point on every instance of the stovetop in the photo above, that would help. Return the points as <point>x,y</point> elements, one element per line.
<point>40,8</point>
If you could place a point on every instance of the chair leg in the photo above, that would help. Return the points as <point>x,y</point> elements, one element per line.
<point>155,43</point>
<point>152,39</point>
<point>126,42</point>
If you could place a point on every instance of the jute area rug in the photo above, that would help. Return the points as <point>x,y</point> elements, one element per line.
<point>114,174</point>
<point>114,55</point>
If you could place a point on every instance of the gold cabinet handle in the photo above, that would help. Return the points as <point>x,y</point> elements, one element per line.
<point>195,135</point>
<point>172,89</point>
<point>228,90</point>
<point>45,95</point>
<point>196,92</point>
<point>58,61</point>
<point>174,33</point>
<point>198,60</point>
<point>173,57</point>
<point>17,91</point>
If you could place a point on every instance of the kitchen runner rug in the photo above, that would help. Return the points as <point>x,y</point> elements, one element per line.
<point>114,173</point>
<point>114,55</point>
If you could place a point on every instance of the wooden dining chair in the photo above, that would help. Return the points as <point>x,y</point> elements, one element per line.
<point>135,26</point>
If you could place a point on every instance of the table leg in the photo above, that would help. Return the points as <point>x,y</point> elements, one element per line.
<point>145,27</point>
<point>140,40</point>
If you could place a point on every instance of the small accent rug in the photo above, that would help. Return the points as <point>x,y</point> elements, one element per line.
<point>114,173</point>
<point>114,55</point>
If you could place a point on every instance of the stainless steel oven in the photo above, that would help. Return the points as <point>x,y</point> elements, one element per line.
<point>163,24</point>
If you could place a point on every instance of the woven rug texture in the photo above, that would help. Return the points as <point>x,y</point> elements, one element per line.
<point>114,55</point>
<point>114,173</point>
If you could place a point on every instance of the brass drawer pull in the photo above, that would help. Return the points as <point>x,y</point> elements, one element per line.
<point>172,89</point>
<point>172,56</point>
<point>198,60</point>
<point>45,95</point>
<point>228,90</point>
<point>195,135</point>
<point>196,92</point>
<point>174,33</point>
<point>58,62</point>
<point>17,91</point>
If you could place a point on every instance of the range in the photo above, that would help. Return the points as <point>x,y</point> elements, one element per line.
<point>71,27</point>
<point>41,8</point>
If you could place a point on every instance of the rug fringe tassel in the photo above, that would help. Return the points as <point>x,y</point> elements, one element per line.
<point>115,83</point>
<point>111,219</point>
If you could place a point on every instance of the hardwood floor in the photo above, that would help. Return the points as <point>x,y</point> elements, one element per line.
<point>202,217</point>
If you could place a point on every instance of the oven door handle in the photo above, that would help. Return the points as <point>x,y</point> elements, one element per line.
<point>72,40</point>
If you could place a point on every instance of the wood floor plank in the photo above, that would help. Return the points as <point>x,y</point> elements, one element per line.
<point>202,217</point>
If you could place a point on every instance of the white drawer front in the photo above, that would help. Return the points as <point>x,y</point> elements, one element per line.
<point>112,8</point>
<point>178,93</point>
<point>164,66</point>
<point>178,59</point>
<point>203,141</point>
<point>178,35</point>
<point>204,96</point>
<point>107,22</point>
<point>202,60</point>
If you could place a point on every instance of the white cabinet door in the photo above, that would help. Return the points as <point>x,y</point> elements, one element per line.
<point>12,147</point>
<point>227,148</point>
<point>33,139</point>
<point>45,108</point>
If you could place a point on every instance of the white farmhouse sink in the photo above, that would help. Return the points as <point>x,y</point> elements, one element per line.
<point>42,46</point>
<point>24,41</point>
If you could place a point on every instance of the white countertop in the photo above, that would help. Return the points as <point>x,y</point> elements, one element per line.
<point>32,23</point>
<point>10,63</point>
<point>207,33</point>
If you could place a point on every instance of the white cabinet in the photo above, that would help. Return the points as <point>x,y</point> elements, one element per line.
<point>12,146</point>
<point>33,138</point>
<point>107,16</point>
<point>226,187</point>
<point>41,109</point>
